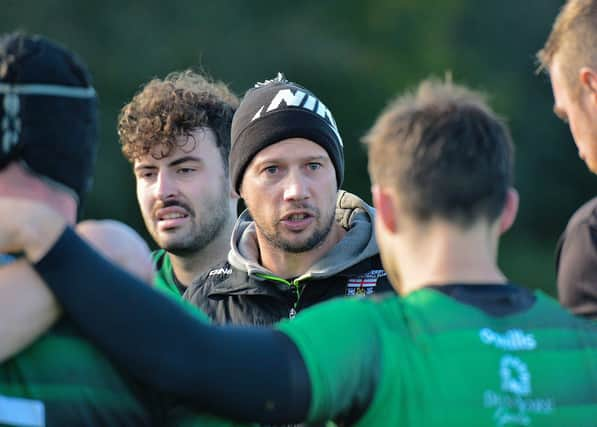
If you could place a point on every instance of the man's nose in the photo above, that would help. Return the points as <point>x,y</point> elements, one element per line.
<point>164,187</point>
<point>296,186</point>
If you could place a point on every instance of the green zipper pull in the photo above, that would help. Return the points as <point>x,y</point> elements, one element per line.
<point>294,284</point>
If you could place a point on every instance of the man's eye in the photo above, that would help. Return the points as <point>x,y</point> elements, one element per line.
<point>271,170</point>
<point>146,174</point>
<point>314,165</point>
<point>185,171</point>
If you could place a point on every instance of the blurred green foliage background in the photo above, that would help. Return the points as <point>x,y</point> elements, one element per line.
<point>355,55</point>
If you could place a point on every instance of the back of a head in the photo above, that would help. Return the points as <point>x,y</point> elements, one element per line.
<point>572,39</point>
<point>444,152</point>
<point>167,109</point>
<point>48,111</point>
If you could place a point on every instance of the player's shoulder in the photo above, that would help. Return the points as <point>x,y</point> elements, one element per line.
<point>219,271</point>
<point>585,215</point>
<point>551,311</point>
<point>210,278</point>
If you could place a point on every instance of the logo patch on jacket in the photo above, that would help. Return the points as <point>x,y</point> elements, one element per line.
<point>220,272</point>
<point>363,284</point>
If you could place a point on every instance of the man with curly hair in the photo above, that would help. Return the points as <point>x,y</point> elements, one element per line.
<point>176,133</point>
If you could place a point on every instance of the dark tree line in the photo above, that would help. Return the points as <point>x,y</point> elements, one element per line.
<point>355,55</point>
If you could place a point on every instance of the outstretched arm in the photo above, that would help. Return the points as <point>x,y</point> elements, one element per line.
<point>28,308</point>
<point>252,374</point>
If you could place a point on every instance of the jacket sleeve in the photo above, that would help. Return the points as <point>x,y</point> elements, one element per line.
<point>251,374</point>
<point>576,262</point>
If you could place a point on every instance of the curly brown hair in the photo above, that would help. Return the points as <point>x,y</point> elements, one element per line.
<point>167,109</point>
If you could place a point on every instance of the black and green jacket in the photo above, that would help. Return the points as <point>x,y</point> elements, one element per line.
<point>241,291</point>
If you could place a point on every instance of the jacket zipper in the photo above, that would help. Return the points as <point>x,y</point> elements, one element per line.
<point>294,284</point>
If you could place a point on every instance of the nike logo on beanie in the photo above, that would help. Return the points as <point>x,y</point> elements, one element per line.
<point>300,99</point>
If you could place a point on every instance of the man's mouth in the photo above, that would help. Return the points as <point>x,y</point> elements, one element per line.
<point>297,221</point>
<point>296,217</point>
<point>171,217</point>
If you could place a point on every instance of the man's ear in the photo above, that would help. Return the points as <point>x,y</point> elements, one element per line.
<point>232,192</point>
<point>510,210</point>
<point>385,208</point>
<point>588,79</point>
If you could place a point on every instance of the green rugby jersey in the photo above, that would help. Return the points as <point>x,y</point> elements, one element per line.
<point>164,274</point>
<point>431,360</point>
<point>62,380</point>
<point>164,282</point>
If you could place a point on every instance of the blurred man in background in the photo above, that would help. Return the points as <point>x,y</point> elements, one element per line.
<point>570,58</point>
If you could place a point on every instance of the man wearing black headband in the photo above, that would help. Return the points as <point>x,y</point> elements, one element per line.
<point>302,240</point>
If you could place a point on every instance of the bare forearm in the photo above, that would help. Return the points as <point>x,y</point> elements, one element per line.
<point>27,308</point>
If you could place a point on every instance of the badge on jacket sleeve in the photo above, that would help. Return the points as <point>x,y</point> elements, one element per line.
<point>363,284</point>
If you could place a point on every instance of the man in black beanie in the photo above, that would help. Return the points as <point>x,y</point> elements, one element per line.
<point>301,240</point>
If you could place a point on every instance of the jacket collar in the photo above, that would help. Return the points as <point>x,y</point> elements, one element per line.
<point>352,213</point>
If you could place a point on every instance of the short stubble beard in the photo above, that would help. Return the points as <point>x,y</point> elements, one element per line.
<point>316,239</point>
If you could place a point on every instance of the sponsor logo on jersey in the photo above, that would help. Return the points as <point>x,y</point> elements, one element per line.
<point>514,403</point>
<point>220,272</point>
<point>511,340</point>
<point>363,284</point>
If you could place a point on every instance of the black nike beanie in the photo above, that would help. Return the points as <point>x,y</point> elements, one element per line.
<point>275,110</point>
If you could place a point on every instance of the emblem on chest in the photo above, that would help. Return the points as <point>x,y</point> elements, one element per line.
<point>363,284</point>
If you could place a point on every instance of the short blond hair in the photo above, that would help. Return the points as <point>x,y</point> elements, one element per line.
<point>572,38</point>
